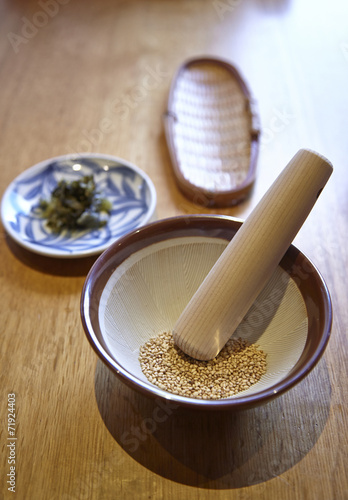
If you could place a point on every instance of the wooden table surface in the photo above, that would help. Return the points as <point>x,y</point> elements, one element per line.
<point>74,77</point>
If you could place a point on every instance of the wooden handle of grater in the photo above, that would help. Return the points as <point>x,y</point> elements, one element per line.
<point>239,275</point>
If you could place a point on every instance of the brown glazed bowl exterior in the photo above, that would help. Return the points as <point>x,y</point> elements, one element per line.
<point>313,289</point>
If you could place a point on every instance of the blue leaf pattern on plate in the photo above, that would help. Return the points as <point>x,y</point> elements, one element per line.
<point>29,230</point>
<point>34,192</point>
<point>127,190</point>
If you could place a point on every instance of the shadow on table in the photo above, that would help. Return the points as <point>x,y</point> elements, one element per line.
<point>216,450</point>
<point>51,265</point>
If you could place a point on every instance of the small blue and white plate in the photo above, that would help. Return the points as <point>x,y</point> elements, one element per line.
<point>130,191</point>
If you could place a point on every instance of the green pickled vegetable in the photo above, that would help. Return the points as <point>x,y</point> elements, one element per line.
<point>75,205</point>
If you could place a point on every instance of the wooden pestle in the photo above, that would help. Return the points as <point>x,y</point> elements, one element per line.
<point>247,263</point>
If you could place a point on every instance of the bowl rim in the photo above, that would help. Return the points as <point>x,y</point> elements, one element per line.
<point>221,226</point>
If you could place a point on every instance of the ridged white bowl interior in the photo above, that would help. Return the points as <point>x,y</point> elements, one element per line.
<point>147,293</point>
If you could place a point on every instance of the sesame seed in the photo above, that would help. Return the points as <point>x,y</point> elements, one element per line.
<point>238,366</point>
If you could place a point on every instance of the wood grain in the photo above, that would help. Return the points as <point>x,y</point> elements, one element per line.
<point>95,77</point>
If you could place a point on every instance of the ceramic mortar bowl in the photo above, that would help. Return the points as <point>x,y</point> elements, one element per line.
<point>140,285</point>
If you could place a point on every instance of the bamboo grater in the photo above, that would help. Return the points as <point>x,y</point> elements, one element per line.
<point>212,132</point>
